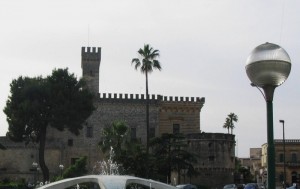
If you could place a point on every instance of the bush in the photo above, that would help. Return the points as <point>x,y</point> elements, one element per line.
<point>76,170</point>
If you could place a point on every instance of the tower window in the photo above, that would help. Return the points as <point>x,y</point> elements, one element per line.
<point>176,128</point>
<point>89,131</point>
<point>91,73</point>
<point>70,142</point>
<point>151,132</point>
<point>133,133</point>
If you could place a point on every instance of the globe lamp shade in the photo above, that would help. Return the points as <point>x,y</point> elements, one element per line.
<point>268,65</point>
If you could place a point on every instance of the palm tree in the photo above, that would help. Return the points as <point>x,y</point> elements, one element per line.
<point>147,62</point>
<point>229,122</point>
<point>114,136</point>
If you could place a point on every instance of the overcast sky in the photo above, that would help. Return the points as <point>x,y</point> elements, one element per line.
<point>204,45</point>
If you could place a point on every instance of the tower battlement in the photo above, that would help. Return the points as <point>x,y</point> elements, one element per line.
<point>91,54</point>
<point>90,63</point>
<point>138,97</point>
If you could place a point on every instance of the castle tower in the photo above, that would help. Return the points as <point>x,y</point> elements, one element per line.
<point>90,65</point>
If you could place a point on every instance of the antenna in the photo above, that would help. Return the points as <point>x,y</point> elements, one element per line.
<point>88,35</point>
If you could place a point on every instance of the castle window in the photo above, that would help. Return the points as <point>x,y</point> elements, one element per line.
<point>281,158</point>
<point>70,142</point>
<point>176,128</point>
<point>133,133</point>
<point>91,73</point>
<point>151,132</point>
<point>73,161</point>
<point>211,158</point>
<point>89,131</point>
<point>294,158</point>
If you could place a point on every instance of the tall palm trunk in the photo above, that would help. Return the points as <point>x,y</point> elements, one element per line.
<point>43,165</point>
<point>147,113</point>
<point>147,120</point>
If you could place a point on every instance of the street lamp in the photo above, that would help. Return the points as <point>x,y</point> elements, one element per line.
<point>267,67</point>
<point>283,140</point>
<point>61,167</point>
<point>34,166</point>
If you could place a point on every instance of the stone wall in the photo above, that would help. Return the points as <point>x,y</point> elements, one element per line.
<point>216,158</point>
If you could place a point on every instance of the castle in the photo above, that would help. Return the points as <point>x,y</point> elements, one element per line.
<point>216,151</point>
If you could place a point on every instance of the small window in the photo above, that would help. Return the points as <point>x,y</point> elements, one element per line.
<point>73,161</point>
<point>89,131</point>
<point>91,73</point>
<point>151,132</point>
<point>294,158</point>
<point>70,142</point>
<point>133,133</point>
<point>281,158</point>
<point>176,128</point>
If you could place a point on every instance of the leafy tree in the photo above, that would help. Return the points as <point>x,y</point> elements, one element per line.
<point>229,121</point>
<point>114,136</point>
<point>168,153</point>
<point>133,158</point>
<point>127,152</point>
<point>147,63</point>
<point>171,155</point>
<point>76,170</point>
<point>35,104</point>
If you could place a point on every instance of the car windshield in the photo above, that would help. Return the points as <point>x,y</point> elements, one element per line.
<point>229,186</point>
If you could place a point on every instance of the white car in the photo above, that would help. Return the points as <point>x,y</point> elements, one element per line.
<point>230,186</point>
<point>107,182</point>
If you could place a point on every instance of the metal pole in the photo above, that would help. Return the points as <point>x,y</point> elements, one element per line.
<point>269,93</point>
<point>271,148</point>
<point>283,140</point>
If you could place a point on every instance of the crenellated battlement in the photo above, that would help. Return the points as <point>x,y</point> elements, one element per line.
<point>91,54</point>
<point>152,98</point>
<point>287,141</point>
<point>211,136</point>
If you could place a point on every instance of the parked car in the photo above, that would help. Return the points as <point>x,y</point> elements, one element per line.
<point>240,186</point>
<point>252,186</point>
<point>186,186</point>
<point>230,186</point>
<point>294,186</point>
<point>261,186</point>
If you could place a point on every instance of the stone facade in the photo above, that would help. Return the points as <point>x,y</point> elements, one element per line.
<point>292,160</point>
<point>216,151</point>
<point>216,158</point>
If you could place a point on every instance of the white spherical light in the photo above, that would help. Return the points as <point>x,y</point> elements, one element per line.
<point>268,65</point>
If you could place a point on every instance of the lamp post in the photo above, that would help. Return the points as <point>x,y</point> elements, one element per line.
<point>34,166</point>
<point>267,67</point>
<point>283,140</point>
<point>61,167</point>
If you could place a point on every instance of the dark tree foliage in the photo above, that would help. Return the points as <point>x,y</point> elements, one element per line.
<point>168,153</point>
<point>59,101</point>
<point>114,135</point>
<point>133,159</point>
<point>76,170</point>
<point>171,154</point>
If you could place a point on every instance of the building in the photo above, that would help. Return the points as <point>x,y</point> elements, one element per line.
<point>253,163</point>
<point>216,151</point>
<point>292,160</point>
